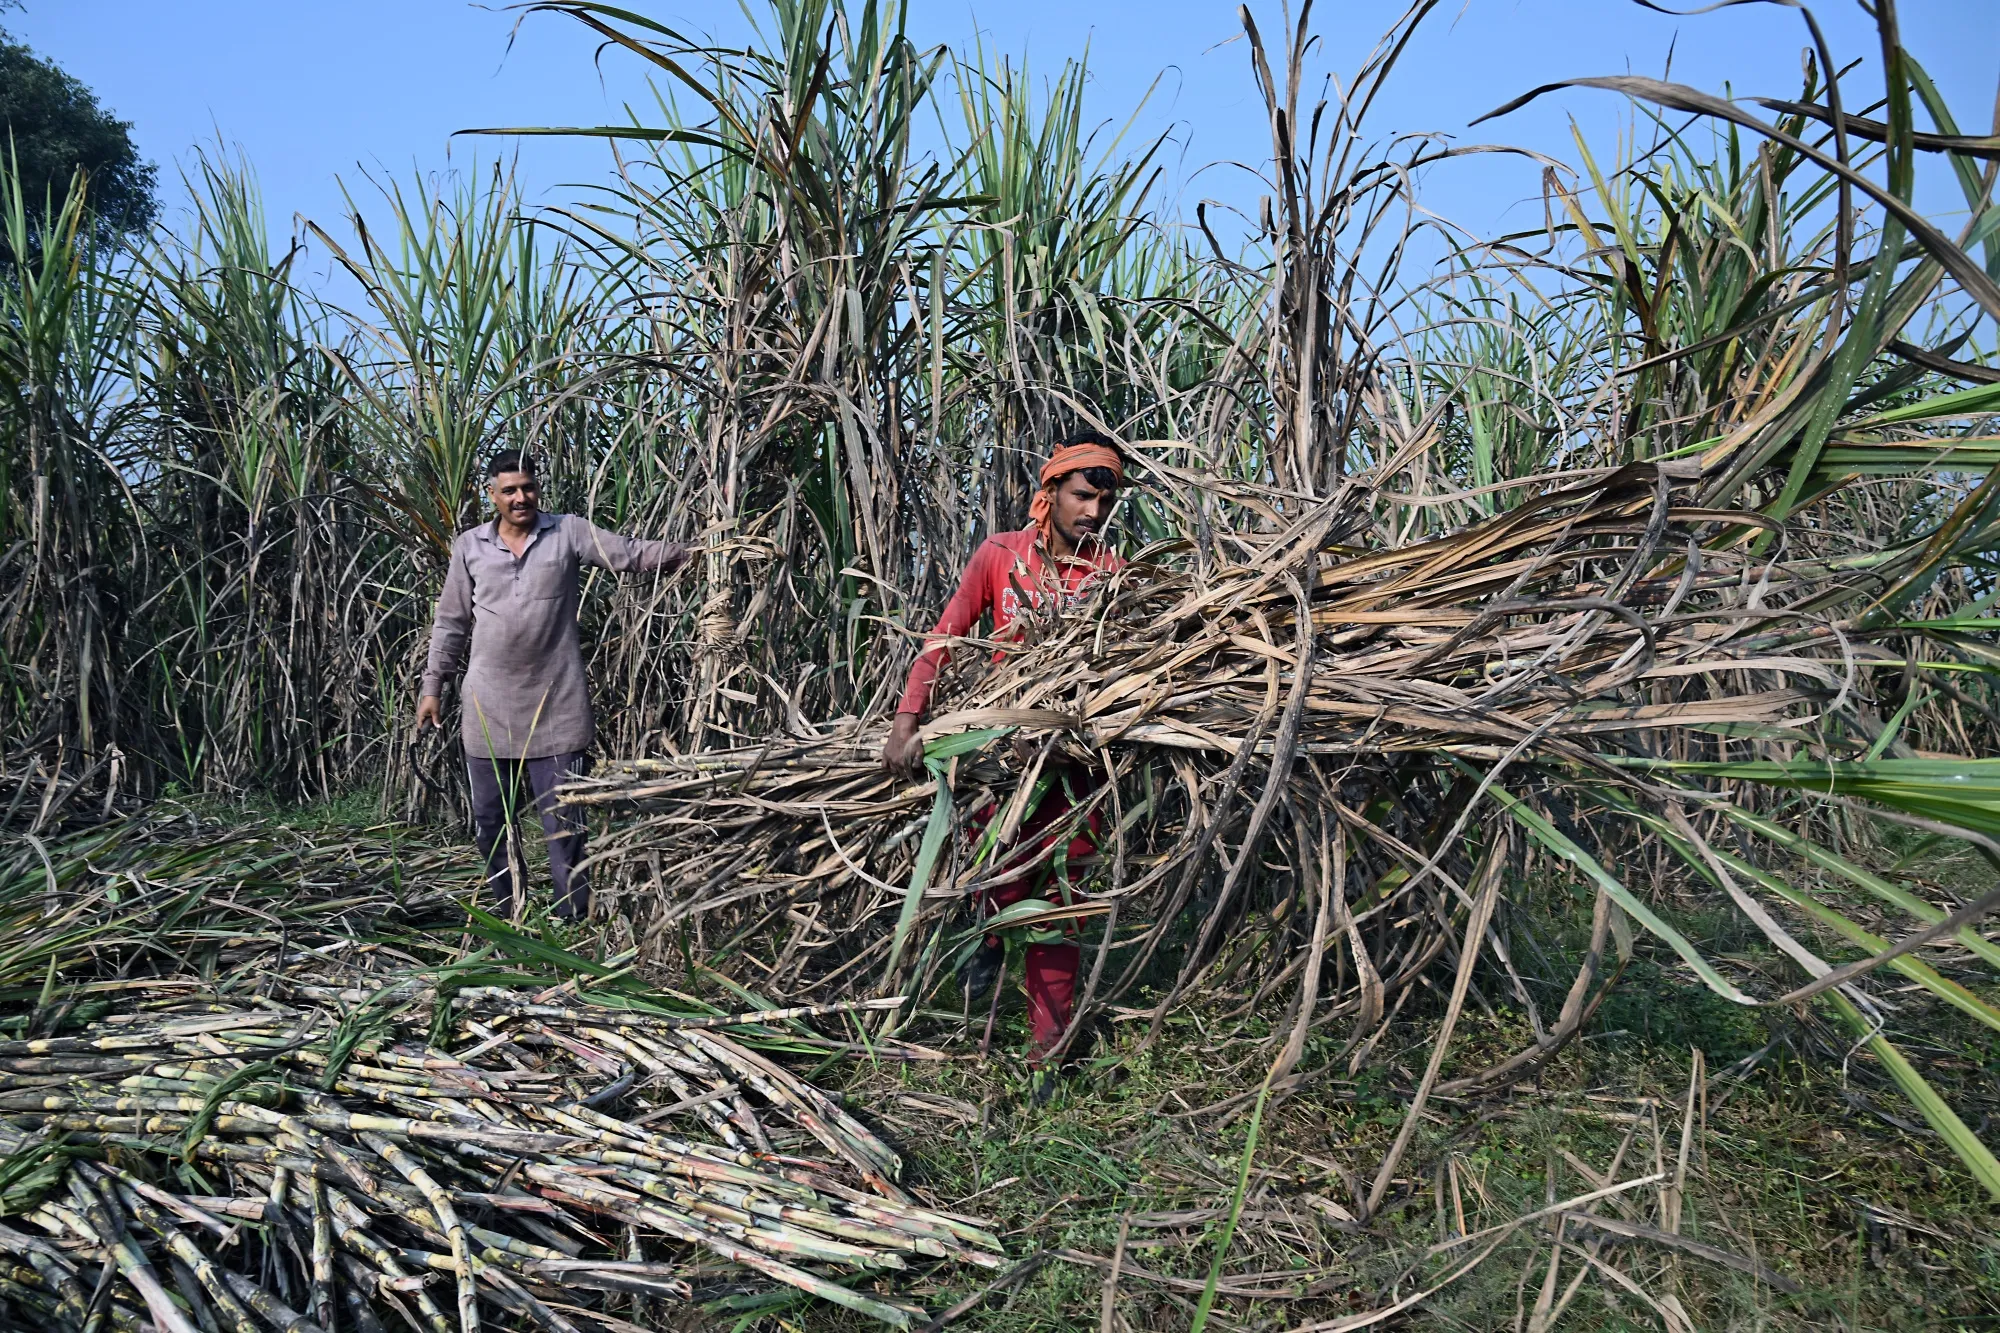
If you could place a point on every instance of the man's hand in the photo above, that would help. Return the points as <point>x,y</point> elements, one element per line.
<point>430,711</point>
<point>903,753</point>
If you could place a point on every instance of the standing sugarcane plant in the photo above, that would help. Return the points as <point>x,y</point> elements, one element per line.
<point>266,624</point>
<point>780,244</point>
<point>1036,263</point>
<point>70,545</point>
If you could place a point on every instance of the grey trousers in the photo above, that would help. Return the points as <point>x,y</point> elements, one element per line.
<point>496,804</point>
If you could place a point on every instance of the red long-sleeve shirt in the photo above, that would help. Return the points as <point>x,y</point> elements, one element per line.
<point>1005,571</point>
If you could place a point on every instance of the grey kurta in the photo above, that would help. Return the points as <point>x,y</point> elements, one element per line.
<point>525,696</point>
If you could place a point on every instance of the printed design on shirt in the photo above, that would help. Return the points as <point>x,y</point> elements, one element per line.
<point>1010,603</point>
<point>1023,582</point>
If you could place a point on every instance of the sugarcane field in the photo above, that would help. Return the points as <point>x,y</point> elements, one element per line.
<point>932,702</point>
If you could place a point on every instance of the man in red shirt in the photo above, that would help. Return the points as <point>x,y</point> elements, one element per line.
<point>1060,555</point>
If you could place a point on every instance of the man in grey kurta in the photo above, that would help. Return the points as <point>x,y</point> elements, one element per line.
<point>510,598</point>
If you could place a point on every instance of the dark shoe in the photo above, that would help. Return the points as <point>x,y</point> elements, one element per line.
<point>979,974</point>
<point>1042,1086</point>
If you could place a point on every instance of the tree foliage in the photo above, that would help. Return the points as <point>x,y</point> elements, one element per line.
<point>56,126</point>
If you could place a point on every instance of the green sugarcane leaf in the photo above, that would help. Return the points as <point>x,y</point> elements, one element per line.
<point>1033,911</point>
<point>1553,838</point>
<point>360,1027</point>
<point>211,1102</point>
<point>30,1172</point>
<point>935,833</point>
<point>1963,403</point>
<point>1914,968</point>
<point>1966,624</point>
<point>1894,726</point>
<point>1950,453</point>
<point>1949,625</point>
<point>641,133</point>
<point>1977,1157</point>
<point>527,947</point>
<point>990,837</point>
<point>1806,848</point>
<point>1961,792</point>
<point>1890,893</point>
<point>962,742</point>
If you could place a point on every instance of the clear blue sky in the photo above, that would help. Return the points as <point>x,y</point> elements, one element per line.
<point>315,93</point>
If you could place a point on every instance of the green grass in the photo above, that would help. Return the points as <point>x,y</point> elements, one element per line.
<point>359,808</point>
<point>1805,1159</point>
<point>1784,1169</point>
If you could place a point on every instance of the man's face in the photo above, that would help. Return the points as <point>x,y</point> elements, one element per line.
<point>1080,510</point>
<point>517,496</point>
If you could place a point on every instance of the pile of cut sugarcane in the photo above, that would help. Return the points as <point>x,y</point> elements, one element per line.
<point>318,1158</point>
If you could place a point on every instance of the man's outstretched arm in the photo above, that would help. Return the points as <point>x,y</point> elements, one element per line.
<point>625,555</point>
<point>451,629</point>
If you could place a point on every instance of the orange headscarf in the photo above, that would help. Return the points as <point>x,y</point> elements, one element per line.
<point>1067,459</point>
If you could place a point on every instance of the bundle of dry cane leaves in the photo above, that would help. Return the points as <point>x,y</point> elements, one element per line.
<point>1288,721</point>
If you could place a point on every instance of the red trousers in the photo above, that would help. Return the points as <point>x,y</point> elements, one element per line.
<point>1051,969</point>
